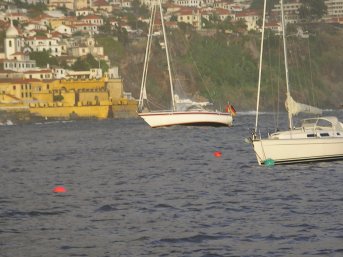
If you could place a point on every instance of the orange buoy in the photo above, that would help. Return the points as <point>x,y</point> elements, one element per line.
<point>59,189</point>
<point>217,154</point>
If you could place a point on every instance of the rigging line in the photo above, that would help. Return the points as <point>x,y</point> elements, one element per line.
<point>155,104</point>
<point>146,58</point>
<point>311,74</point>
<point>271,77</point>
<point>167,53</point>
<point>197,69</point>
<point>290,115</point>
<point>295,57</point>
<point>177,82</point>
<point>278,85</point>
<point>260,68</point>
<point>301,70</point>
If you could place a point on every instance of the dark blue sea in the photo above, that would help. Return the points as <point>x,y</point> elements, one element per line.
<point>137,191</point>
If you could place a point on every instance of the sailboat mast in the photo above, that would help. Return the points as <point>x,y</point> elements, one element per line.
<point>290,119</point>
<point>260,67</point>
<point>168,61</point>
<point>142,95</point>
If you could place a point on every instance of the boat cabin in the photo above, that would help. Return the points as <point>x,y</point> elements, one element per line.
<point>321,127</point>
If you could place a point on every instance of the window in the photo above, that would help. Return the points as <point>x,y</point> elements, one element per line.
<point>10,43</point>
<point>311,135</point>
<point>14,87</point>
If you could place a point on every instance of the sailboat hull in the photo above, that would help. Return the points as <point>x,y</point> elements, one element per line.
<point>192,118</point>
<point>287,151</point>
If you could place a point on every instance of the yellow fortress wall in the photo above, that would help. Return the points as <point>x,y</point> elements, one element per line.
<point>92,98</point>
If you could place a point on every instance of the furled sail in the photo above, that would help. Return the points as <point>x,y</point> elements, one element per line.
<point>294,108</point>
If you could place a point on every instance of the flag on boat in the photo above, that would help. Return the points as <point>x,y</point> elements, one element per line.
<point>230,109</point>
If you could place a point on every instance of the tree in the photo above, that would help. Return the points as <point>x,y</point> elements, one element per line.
<point>89,62</point>
<point>2,38</point>
<point>106,28</point>
<point>258,4</point>
<point>43,58</point>
<point>312,10</point>
<point>122,35</point>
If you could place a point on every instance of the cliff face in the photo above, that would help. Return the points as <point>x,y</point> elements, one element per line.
<point>225,67</point>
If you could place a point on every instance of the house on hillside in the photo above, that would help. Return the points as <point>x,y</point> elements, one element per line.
<point>65,30</point>
<point>101,5</point>
<point>35,26</point>
<point>87,28</point>
<point>191,16</point>
<point>250,17</point>
<point>45,43</point>
<point>84,12</point>
<point>190,3</point>
<point>42,74</point>
<point>82,46</point>
<point>93,19</point>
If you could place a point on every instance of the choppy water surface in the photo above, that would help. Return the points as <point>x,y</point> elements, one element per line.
<point>136,191</point>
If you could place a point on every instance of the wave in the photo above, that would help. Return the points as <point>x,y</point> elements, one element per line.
<point>252,113</point>
<point>53,122</point>
<point>7,123</point>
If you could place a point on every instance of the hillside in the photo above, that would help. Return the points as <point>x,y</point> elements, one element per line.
<point>221,67</point>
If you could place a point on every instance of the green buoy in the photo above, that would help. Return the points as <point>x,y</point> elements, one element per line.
<point>269,162</point>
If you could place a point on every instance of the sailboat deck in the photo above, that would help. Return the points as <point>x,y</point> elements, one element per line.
<point>321,127</point>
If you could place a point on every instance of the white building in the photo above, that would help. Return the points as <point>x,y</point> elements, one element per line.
<point>41,74</point>
<point>190,3</point>
<point>20,63</point>
<point>335,8</point>
<point>65,29</point>
<point>13,42</point>
<point>87,47</point>
<point>42,43</point>
<point>84,12</point>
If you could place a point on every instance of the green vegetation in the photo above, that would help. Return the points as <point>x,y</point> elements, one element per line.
<point>58,98</point>
<point>258,4</point>
<point>311,10</point>
<point>225,66</point>
<point>2,40</point>
<point>113,48</point>
<point>225,63</point>
<point>88,62</point>
<point>43,58</point>
<point>34,10</point>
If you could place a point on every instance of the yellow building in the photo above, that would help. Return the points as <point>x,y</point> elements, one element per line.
<point>54,23</point>
<point>68,98</point>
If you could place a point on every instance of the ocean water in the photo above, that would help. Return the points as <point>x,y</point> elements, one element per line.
<point>137,191</point>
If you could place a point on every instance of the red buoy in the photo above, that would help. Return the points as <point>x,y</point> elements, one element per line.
<point>217,154</point>
<point>60,189</point>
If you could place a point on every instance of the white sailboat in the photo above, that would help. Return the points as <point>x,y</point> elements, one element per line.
<point>196,116</point>
<point>316,139</point>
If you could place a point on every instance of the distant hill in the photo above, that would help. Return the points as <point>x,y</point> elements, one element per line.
<point>224,66</point>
